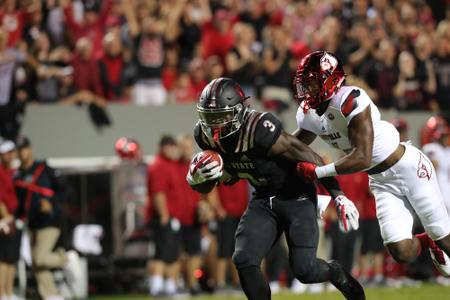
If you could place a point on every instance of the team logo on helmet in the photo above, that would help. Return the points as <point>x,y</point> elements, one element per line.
<point>328,62</point>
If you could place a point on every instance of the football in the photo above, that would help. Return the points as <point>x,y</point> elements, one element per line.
<point>206,156</point>
<point>198,161</point>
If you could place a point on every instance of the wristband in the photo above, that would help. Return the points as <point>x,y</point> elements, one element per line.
<point>326,171</point>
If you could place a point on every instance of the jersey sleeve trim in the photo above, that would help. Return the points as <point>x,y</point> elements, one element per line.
<point>350,103</point>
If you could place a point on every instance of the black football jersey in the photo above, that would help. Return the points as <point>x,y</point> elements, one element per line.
<point>245,156</point>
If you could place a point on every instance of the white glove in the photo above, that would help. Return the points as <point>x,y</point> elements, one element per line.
<point>208,170</point>
<point>347,213</point>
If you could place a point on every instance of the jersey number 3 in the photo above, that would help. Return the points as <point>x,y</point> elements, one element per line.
<point>269,125</point>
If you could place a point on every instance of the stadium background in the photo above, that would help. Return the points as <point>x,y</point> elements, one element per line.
<point>414,84</point>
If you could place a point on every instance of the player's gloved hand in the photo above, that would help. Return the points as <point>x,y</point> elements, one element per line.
<point>307,170</point>
<point>199,172</point>
<point>347,213</point>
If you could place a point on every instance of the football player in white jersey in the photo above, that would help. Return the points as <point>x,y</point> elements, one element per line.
<point>437,150</point>
<point>402,178</point>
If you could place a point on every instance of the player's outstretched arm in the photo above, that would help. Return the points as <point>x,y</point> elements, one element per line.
<point>291,148</point>
<point>360,131</point>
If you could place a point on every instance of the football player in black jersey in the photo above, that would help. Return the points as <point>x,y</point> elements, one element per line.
<point>254,146</point>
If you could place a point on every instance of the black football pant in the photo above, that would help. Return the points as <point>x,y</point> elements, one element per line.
<point>261,226</point>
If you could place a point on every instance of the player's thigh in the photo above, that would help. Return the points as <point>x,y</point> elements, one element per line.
<point>394,214</point>
<point>256,233</point>
<point>300,223</point>
<point>423,192</point>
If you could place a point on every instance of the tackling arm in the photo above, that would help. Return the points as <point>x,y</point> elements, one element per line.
<point>294,150</point>
<point>360,133</point>
<point>290,148</point>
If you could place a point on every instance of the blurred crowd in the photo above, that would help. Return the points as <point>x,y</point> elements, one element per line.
<point>156,52</point>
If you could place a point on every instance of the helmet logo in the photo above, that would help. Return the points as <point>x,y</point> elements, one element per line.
<point>328,62</point>
<point>212,104</point>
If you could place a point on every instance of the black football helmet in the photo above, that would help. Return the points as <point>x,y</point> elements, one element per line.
<point>221,108</point>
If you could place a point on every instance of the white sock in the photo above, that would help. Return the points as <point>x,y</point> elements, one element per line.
<point>156,284</point>
<point>170,286</point>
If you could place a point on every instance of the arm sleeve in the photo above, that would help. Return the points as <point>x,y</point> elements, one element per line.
<point>105,12</point>
<point>70,20</point>
<point>267,131</point>
<point>354,102</point>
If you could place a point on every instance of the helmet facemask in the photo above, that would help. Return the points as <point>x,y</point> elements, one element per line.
<point>219,123</point>
<point>308,90</point>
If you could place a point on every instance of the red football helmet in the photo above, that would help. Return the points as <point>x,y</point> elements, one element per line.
<point>319,76</point>
<point>434,129</point>
<point>128,149</point>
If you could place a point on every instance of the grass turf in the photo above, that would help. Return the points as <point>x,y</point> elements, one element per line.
<point>424,292</point>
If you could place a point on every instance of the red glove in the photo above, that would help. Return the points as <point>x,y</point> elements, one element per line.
<point>307,171</point>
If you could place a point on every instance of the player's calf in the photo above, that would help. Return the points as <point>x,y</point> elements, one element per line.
<point>404,251</point>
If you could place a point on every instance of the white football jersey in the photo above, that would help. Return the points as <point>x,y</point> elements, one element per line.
<point>332,126</point>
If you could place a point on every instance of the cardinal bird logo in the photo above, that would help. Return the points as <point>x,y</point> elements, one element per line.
<point>424,169</point>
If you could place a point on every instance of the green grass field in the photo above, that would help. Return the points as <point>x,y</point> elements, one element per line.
<point>425,292</point>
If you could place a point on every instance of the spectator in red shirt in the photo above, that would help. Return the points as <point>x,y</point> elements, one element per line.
<point>111,66</point>
<point>190,226</point>
<point>217,35</point>
<point>9,237</point>
<point>93,25</point>
<point>166,192</point>
<point>230,205</point>
<point>198,76</point>
<point>372,248</point>
<point>13,20</point>
<point>86,70</point>
<point>343,244</point>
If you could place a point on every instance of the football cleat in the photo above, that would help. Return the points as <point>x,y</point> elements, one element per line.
<point>441,261</point>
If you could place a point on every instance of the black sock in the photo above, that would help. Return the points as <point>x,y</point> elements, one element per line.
<point>253,283</point>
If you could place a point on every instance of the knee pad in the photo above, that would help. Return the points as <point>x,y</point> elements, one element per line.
<point>306,271</point>
<point>243,259</point>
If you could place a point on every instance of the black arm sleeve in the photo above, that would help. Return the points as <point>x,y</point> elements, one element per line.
<point>267,131</point>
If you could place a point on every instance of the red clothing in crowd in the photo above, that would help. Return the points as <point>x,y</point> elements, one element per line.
<point>112,72</point>
<point>7,189</point>
<point>214,42</point>
<point>169,78</point>
<point>234,198</point>
<point>356,188</point>
<point>87,75</point>
<point>190,197</point>
<point>13,23</point>
<point>94,31</point>
<point>164,177</point>
<point>197,87</point>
